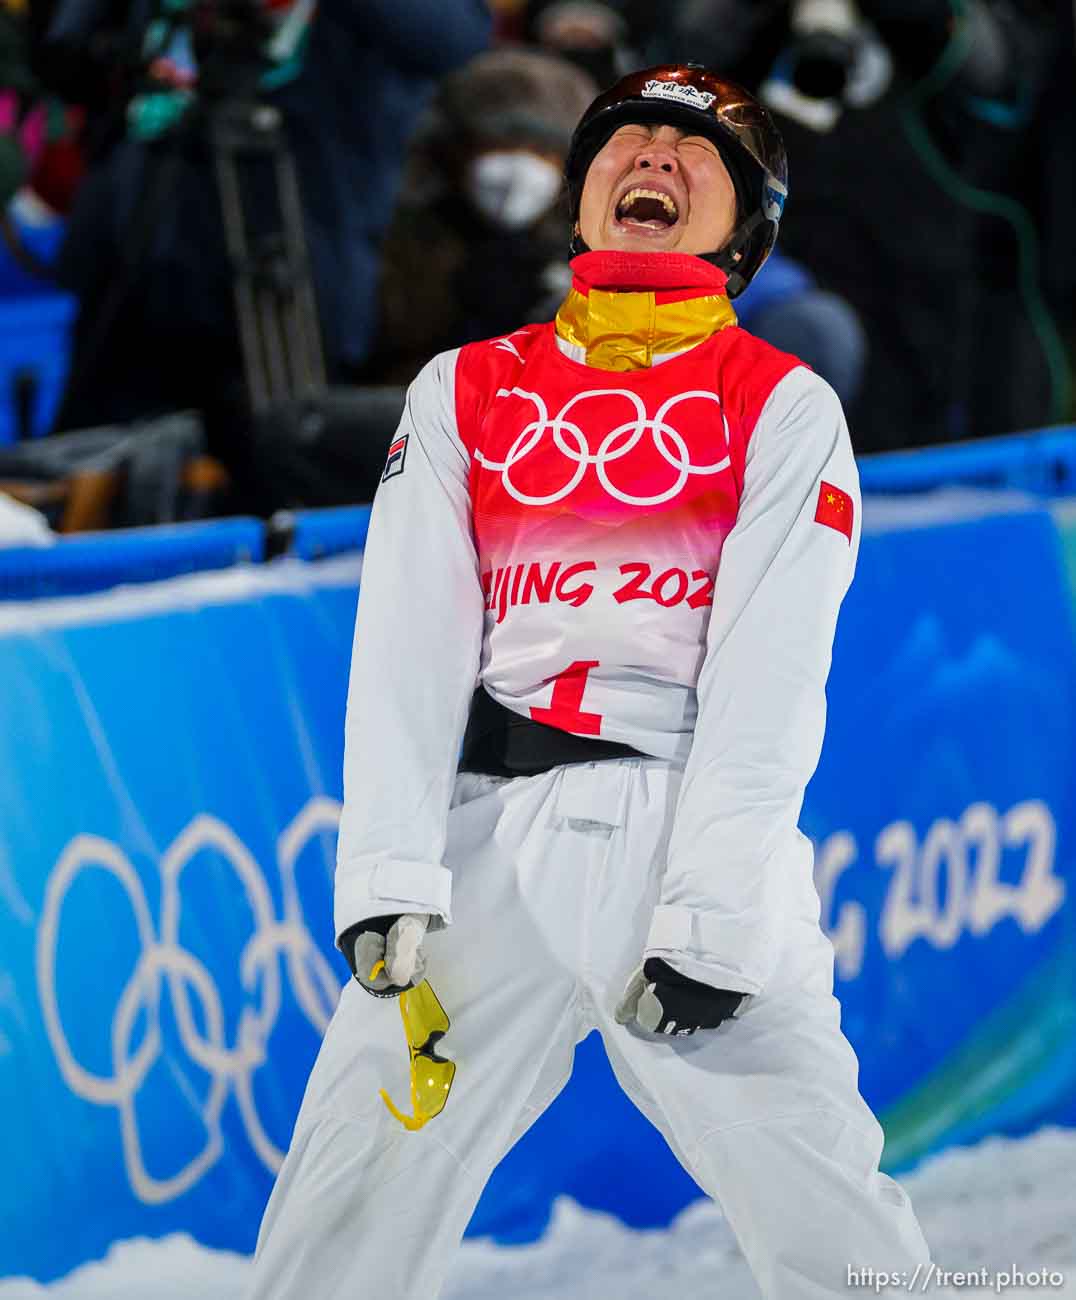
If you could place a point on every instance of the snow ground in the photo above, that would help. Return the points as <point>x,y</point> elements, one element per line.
<point>1001,1204</point>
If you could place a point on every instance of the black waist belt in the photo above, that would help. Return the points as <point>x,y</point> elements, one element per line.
<point>498,742</point>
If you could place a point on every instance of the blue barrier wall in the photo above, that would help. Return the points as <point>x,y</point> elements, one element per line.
<point>170,757</point>
<point>98,561</point>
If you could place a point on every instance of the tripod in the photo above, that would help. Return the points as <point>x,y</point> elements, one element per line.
<point>274,295</point>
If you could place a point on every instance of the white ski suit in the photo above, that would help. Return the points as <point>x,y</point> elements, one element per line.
<point>655,555</point>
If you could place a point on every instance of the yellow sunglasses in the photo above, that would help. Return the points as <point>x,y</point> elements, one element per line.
<point>425,1024</point>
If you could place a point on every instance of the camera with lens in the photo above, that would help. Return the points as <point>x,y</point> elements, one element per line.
<point>825,39</point>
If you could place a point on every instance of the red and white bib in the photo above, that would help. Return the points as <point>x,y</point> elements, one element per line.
<point>601,500</point>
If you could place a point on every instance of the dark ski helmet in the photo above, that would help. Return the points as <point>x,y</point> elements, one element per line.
<point>688,95</point>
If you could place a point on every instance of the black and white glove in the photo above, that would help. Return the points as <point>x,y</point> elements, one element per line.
<point>395,940</point>
<point>662,1001</point>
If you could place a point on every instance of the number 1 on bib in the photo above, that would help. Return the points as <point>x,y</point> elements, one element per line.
<point>565,706</point>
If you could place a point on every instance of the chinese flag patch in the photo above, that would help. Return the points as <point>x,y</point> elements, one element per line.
<point>834,509</point>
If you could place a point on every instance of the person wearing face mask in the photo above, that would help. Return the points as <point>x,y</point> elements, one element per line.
<point>511,188</point>
<point>477,243</point>
<point>607,555</point>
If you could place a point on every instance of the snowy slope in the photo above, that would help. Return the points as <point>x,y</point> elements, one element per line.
<point>1002,1204</point>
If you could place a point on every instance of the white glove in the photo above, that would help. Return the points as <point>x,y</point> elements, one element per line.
<point>394,940</point>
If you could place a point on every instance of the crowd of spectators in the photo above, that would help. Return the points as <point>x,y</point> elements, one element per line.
<point>925,266</point>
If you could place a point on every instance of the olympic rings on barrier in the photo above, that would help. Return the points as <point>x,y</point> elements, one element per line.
<point>164,964</point>
<point>571,441</point>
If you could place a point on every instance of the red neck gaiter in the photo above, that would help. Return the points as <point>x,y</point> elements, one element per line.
<point>676,276</point>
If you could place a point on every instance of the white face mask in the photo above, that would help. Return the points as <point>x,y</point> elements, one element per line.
<point>512,188</point>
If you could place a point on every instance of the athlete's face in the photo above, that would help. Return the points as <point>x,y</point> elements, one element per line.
<point>654,188</point>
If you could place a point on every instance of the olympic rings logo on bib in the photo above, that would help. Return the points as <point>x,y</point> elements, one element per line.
<point>616,461</point>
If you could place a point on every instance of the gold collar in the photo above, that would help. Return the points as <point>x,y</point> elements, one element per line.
<point>622,330</point>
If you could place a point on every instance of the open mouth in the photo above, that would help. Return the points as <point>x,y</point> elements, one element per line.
<point>647,208</point>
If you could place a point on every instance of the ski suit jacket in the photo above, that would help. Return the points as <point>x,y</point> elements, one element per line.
<point>636,522</point>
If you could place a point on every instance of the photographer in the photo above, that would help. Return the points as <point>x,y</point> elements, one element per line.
<point>145,251</point>
<point>909,124</point>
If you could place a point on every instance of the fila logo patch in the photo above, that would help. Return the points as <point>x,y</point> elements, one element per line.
<point>395,463</point>
<point>834,509</point>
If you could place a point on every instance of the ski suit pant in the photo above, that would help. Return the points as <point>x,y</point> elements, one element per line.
<point>554,881</point>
